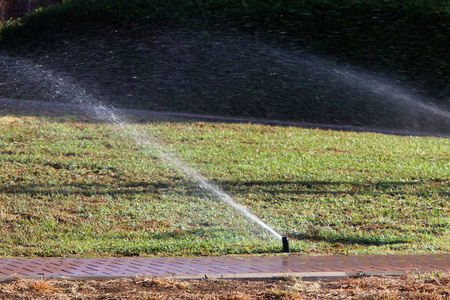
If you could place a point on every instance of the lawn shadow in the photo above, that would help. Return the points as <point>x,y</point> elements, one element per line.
<point>91,189</point>
<point>354,239</point>
<point>186,188</point>
<point>328,187</point>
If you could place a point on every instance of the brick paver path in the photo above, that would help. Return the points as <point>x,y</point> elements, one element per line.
<point>322,267</point>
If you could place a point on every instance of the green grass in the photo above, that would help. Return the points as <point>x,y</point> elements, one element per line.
<point>71,187</point>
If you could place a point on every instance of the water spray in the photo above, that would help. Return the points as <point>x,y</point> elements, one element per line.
<point>92,106</point>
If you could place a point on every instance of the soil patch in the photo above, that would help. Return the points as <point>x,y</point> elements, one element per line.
<point>411,286</point>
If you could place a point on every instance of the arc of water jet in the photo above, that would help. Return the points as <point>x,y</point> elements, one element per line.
<point>94,107</point>
<point>227,199</point>
<point>115,117</point>
<point>214,190</point>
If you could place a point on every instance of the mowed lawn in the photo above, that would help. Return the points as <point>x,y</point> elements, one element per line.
<point>70,186</point>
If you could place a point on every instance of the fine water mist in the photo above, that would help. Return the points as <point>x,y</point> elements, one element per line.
<point>228,73</point>
<point>63,88</point>
<point>217,73</point>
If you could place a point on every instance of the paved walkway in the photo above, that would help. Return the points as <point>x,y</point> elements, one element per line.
<point>307,267</point>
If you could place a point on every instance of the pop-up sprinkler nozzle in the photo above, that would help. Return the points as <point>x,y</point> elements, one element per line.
<point>286,247</point>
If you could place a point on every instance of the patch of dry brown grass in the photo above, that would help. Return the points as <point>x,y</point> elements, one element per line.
<point>411,286</point>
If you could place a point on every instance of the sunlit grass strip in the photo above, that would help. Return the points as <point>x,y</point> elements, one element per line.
<point>79,188</point>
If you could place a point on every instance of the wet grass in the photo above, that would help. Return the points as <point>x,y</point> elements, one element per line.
<point>72,187</point>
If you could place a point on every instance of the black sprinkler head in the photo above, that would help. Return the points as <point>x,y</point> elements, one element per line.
<point>286,247</point>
